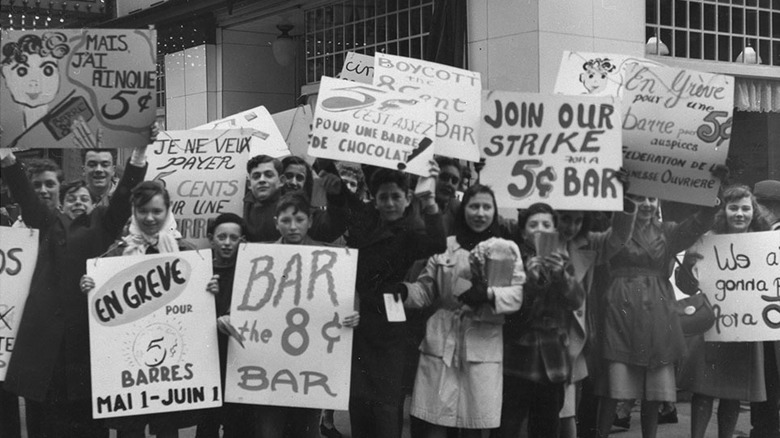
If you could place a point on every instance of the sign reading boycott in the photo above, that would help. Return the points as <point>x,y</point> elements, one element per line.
<point>740,274</point>
<point>152,334</point>
<point>456,94</point>
<point>268,139</point>
<point>51,78</point>
<point>365,124</point>
<point>561,150</point>
<point>18,252</point>
<point>288,304</point>
<point>676,129</point>
<point>205,174</point>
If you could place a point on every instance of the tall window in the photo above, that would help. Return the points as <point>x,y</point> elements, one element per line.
<point>397,27</point>
<point>717,30</point>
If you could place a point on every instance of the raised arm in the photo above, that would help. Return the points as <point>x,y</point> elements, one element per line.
<point>119,209</point>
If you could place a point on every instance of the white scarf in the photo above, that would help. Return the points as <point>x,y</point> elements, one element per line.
<point>166,240</point>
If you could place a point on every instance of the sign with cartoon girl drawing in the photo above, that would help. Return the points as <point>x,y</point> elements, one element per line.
<point>596,74</point>
<point>50,79</point>
<point>364,124</point>
<point>152,334</point>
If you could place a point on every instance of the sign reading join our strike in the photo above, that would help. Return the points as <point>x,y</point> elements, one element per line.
<point>561,150</point>
<point>268,139</point>
<point>152,334</point>
<point>740,274</point>
<point>205,174</point>
<point>358,68</point>
<point>676,129</point>
<point>455,93</point>
<point>365,124</point>
<point>288,304</point>
<point>51,78</point>
<point>18,253</point>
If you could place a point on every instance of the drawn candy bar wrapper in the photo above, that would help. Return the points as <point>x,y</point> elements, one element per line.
<point>60,120</point>
<point>497,256</point>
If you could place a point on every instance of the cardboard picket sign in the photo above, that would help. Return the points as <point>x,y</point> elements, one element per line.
<point>365,124</point>
<point>18,253</point>
<point>561,150</point>
<point>594,74</point>
<point>152,334</point>
<point>740,274</point>
<point>288,303</point>
<point>455,93</point>
<point>204,172</point>
<point>105,76</point>
<point>676,130</point>
<point>295,125</point>
<point>268,139</point>
<point>357,68</point>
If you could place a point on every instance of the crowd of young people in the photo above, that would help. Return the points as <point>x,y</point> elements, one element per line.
<point>595,307</point>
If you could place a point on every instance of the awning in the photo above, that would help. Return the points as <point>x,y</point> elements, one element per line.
<point>757,95</point>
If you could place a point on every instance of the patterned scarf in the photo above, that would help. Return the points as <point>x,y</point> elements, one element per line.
<point>165,241</point>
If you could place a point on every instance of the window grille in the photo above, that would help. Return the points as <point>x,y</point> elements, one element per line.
<point>161,81</point>
<point>396,27</point>
<point>716,30</point>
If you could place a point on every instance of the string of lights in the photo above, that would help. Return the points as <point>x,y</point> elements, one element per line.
<point>44,14</point>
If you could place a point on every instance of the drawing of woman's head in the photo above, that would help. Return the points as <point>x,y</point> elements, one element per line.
<point>30,67</point>
<point>594,78</point>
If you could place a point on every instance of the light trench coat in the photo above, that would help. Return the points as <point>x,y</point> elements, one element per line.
<point>459,377</point>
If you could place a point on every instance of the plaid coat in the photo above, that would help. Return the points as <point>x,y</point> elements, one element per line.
<point>536,338</point>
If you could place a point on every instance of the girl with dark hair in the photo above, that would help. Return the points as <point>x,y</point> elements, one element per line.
<point>585,250</point>
<point>730,371</point>
<point>152,230</point>
<point>536,363</point>
<point>642,339</point>
<point>459,374</point>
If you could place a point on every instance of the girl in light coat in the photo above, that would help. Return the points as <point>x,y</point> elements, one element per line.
<point>459,376</point>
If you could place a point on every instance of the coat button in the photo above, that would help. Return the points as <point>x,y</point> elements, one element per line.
<point>579,312</point>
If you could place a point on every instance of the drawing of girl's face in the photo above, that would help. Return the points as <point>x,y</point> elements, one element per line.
<point>594,80</point>
<point>33,83</point>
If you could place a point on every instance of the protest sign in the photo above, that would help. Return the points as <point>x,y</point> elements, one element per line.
<point>268,139</point>
<point>365,124</point>
<point>18,252</point>
<point>152,334</point>
<point>740,274</point>
<point>358,68</point>
<point>596,74</point>
<point>205,174</point>
<point>676,129</point>
<point>107,77</point>
<point>295,125</point>
<point>455,93</point>
<point>561,150</point>
<point>288,304</point>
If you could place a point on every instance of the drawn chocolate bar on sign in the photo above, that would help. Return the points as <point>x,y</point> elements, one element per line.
<point>59,121</point>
